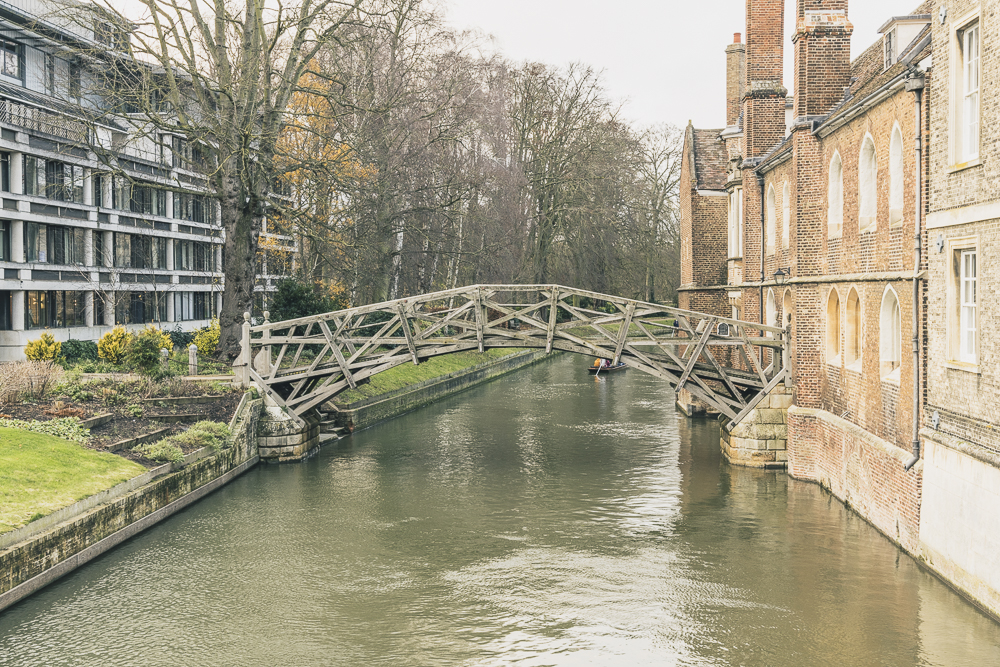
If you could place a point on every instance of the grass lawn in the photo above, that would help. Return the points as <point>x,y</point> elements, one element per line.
<point>406,374</point>
<point>40,474</point>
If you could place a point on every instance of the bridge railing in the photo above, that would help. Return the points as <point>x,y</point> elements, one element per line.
<point>302,363</point>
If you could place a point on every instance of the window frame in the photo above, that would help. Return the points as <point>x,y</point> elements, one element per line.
<point>9,49</point>
<point>963,152</point>
<point>770,218</point>
<point>890,336</point>
<point>867,185</point>
<point>835,213</point>
<point>833,347</point>
<point>959,357</point>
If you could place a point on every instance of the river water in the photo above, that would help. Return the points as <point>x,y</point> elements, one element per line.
<point>548,518</point>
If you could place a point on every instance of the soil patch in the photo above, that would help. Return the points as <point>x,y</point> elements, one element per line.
<point>135,411</point>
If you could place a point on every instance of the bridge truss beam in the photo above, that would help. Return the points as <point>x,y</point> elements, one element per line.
<point>729,364</point>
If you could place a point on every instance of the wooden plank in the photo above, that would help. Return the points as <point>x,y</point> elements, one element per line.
<point>553,311</point>
<point>694,356</point>
<point>480,325</point>
<point>401,309</point>
<point>623,333</point>
<point>778,379</point>
<point>338,354</point>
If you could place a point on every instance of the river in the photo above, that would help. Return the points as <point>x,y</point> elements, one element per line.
<point>547,518</point>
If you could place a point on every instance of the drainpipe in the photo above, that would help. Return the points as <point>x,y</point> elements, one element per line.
<point>760,182</point>
<point>915,84</point>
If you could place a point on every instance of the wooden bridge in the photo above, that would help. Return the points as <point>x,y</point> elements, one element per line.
<point>301,364</point>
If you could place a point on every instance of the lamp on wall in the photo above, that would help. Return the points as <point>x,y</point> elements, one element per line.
<point>781,275</point>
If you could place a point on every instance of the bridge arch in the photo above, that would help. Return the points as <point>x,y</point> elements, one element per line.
<point>305,362</point>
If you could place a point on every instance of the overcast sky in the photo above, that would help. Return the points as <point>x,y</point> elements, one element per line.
<point>665,59</point>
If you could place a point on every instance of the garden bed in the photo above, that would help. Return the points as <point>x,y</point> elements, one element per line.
<point>135,408</point>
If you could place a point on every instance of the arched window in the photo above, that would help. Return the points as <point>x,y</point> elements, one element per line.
<point>770,311</point>
<point>852,332</point>
<point>833,328</point>
<point>896,176</point>
<point>786,309</point>
<point>835,199</point>
<point>786,215</point>
<point>770,220</point>
<point>867,179</point>
<point>889,336</point>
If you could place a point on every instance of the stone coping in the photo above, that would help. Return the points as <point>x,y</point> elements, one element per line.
<point>365,402</point>
<point>901,455</point>
<point>978,452</point>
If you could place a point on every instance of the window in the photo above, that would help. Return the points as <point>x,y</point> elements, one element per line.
<point>867,179</point>
<point>6,321</point>
<point>53,244</point>
<point>889,336</point>
<point>11,54</point>
<point>771,312</point>
<point>75,76</point>
<point>786,215</point>
<point>5,241</point>
<point>192,306</point>
<point>193,256</point>
<point>970,93</point>
<point>137,251</point>
<point>770,220</point>
<point>835,199</point>
<point>5,172</point>
<point>888,41</point>
<point>786,309</point>
<point>196,208</point>
<point>55,309</point>
<point>50,74</point>
<point>833,328</point>
<point>53,179</point>
<point>852,333</point>
<point>967,305</point>
<point>736,223</point>
<point>896,177</point>
<point>140,307</point>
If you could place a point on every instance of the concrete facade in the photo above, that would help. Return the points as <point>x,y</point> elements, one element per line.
<point>99,224</point>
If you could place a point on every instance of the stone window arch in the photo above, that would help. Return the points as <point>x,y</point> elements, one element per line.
<point>770,220</point>
<point>835,198</point>
<point>786,215</point>
<point>896,176</point>
<point>853,330</point>
<point>867,185</point>
<point>771,311</point>
<point>786,308</point>
<point>833,327</point>
<point>890,336</point>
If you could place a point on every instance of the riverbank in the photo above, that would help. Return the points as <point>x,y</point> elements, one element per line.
<point>35,555</point>
<point>359,409</point>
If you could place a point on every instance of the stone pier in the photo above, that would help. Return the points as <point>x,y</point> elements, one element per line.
<point>760,440</point>
<point>281,439</point>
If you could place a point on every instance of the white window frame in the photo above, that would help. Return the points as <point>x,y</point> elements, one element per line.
<point>963,316</point>
<point>786,215</point>
<point>897,169</point>
<point>967,278</point>
<point>966,80</point>
<point>890,336</point>
<point>771,222</point>
<point>736,223</point>
<point>867,185</point>
<point>835,198</point>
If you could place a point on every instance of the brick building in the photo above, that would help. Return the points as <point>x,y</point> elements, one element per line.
<point>819,236</point>
<point>864,222</point>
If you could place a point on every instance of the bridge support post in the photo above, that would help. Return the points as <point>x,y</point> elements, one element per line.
<point>760,440</point>
<point>281,439</point>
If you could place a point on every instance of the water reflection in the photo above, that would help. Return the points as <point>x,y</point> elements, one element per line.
<point>546,519</point>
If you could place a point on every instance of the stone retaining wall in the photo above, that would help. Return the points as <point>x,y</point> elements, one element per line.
<point>42,557</point>
<point>362,414</point>
<point>760,440</point>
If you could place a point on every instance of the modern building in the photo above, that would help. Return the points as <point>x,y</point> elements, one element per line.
<point>87,240</point>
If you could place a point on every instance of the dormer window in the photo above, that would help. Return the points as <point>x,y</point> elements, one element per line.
<point>889,41</point>
<point>10,65</point>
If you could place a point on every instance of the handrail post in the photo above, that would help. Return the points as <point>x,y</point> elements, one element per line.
<point>241,367</point>
<point>267,338</point>
<point>786,356</point>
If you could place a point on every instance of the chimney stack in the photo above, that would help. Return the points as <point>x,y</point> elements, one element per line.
<point>822,55</point>
<point>736,55</point>
<point>763,92</point>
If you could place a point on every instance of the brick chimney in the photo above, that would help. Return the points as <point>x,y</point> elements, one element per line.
<point>763,93</point>
<point>736,54</point>
<point>822,55</point>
